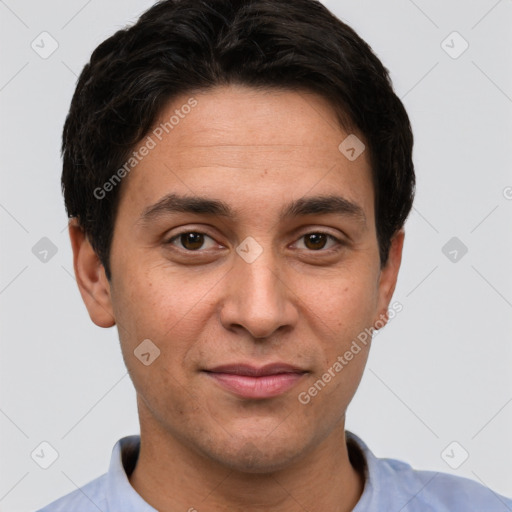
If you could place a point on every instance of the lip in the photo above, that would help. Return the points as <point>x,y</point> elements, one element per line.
<point>253,382</point>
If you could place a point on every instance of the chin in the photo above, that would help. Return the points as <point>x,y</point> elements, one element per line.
<point>257,455</point>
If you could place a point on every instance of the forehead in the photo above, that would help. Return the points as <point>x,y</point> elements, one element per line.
<point>241,115</point>
<point>242,144</point>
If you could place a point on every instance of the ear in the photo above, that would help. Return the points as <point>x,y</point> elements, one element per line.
<point>90,277</point>
<point>388,278</point>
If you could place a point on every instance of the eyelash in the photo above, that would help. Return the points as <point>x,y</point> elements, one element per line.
<point>339,242</point>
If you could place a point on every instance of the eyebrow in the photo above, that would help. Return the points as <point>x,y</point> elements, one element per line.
<point>316,205</point>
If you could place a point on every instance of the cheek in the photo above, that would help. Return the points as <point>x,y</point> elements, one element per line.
<point>345,305</point>
<point>166,397</point>
<point>171,311</point>
<point>158,309</point>
<point>160,301</point>
<point>343,336</point>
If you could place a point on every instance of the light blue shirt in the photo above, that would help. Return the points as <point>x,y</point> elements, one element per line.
<point>391,486</point>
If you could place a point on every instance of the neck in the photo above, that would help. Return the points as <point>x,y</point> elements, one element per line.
<point>171,476</point>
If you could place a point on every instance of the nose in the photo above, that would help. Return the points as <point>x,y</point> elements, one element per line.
<point>257,298</point>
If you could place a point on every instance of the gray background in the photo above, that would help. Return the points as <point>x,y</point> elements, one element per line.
<point>439,373</point>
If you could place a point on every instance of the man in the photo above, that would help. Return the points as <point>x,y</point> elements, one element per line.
<point>238,174</point>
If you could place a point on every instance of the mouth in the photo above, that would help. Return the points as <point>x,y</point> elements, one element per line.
<point>253,382</point>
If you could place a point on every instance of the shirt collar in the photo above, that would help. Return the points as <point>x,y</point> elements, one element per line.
<point>122,496</point>
<point>370,469</point>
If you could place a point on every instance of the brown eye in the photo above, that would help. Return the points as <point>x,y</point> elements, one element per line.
<point>191,241</point>
<point>319,242</point>
<point>315,241</point>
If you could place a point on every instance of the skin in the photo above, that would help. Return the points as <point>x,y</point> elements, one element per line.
<point>202,447</point>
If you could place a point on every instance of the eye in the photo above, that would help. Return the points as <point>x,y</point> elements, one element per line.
<point>191,240</point>
<point>316,241</point>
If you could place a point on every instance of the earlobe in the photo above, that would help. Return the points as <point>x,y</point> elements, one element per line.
<point>388,278</point>
<point>90,277</point>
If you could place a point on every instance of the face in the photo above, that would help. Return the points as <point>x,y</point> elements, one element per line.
<point>251,293</point>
